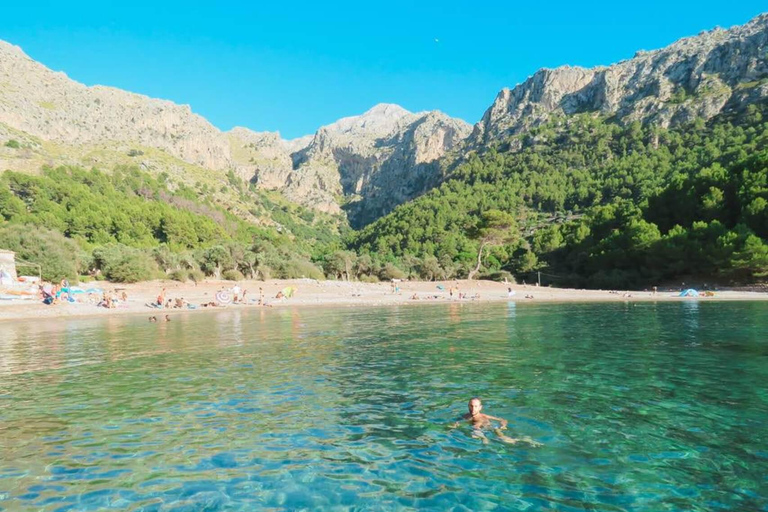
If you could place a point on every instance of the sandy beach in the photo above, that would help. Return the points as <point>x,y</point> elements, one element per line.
<point>311,293</point>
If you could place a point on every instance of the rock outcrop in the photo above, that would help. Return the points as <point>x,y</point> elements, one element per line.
<point>373,162</point>
<point>694,77</point>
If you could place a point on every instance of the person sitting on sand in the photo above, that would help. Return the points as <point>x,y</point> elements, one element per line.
<point>280,295</point>
<point>47,297</point>
<point>482,421</point>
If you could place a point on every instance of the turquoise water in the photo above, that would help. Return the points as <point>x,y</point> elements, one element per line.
<point>638,406</point>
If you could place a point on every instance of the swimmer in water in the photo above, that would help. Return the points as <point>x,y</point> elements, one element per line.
<point>482,421</point>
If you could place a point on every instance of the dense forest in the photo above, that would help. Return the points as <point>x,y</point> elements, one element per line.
<point>584,200</point>
<point>129,226</point>
<point>597,204</point>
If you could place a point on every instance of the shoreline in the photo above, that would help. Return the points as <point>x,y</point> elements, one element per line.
<point>311,293</point>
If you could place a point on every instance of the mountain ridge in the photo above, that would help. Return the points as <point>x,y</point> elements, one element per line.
<point>696,76</point>
<point>364,165</point>
<point>317,170</point>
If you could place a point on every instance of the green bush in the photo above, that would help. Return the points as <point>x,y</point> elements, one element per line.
<point>264,272</point>
<point>369,279</point>
<point>196,276</point>
<point>232,275</point>
<point>294,269</point>
<point>178,275</point>
<point>123,264</point>
<point>499,276</point>
<point>13,144</point>
<point>132,268</point>
<point>390,271</point>
<point>59,257</point>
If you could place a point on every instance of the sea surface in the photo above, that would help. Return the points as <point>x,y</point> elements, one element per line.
<point>652,407</point>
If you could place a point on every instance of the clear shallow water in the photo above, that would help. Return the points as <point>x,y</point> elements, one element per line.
<point>640,407</point>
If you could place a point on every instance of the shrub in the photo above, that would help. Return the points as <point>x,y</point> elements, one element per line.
<point>178,275</point>
<point>13,144</point>
<point>132,267</point>
<point>390,271</point>
<point>196,276</point>
<point>264,272</point>
<point>123,264</point>
<point>232,275</point>
<point>59,257</point>
<point>499,276</point>
<point>296,268</point>
<point>369,279</point>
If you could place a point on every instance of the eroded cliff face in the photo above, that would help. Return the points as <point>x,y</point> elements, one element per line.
<point>694,77</point>
<point>369,163</point>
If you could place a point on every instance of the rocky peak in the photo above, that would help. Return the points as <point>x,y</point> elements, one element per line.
<point>381,119</point>
<point>377,160</point>
<point>696,76</point>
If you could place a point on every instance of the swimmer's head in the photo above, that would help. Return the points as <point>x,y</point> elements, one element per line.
<point>475,405</point>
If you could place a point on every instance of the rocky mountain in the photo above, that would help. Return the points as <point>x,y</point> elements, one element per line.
<point>374,161</point>
<point>370,162</point>
<point>50,106</point>
<point>363,165</point>
<point>697,76</point>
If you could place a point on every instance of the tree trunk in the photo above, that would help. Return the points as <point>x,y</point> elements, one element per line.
<point>472,273</point>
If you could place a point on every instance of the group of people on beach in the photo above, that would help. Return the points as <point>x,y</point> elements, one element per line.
<point>169,303</point>
<point>54,294</point>
<point>223,297</point>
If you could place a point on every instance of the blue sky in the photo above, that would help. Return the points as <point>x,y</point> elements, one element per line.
<point>294,66</point>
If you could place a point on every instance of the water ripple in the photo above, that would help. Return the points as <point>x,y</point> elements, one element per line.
<point>653,407</point>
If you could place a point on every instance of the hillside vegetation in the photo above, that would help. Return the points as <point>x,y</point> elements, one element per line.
<point>130,226</point>
<point>596,204</point>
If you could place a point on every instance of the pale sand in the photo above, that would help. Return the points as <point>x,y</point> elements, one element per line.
<point>337,293</point>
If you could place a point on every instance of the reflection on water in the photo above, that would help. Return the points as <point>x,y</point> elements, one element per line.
<point>639,407</point>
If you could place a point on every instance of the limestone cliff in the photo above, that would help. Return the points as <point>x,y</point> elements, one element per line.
<point>694,77</point>
<point>371,162</point>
